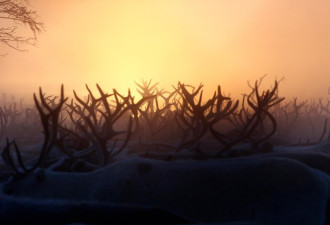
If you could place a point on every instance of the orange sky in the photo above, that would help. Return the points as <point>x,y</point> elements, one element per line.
<point>223,42</point>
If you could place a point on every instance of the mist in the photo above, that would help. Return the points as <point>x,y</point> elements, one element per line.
<point>215,43</point>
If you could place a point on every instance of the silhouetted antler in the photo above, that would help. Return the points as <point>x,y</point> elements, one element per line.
<point>95,120</point>
<point>49,120</point>
<point>264,102</point>
<point>198,118</point>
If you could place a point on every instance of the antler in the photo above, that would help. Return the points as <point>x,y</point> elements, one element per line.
<point>95,120</point>
<point>264,102</point>
<point>198,118</point>
<point>49,120</point>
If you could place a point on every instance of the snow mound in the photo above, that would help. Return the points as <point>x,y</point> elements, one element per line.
<point>265,190</point>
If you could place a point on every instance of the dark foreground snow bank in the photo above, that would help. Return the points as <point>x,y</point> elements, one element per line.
<point>234,223</point>
<point>264,190</point>
<point>55,212</point>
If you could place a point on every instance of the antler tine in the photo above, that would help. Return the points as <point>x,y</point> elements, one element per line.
<point>250,103</point>
<point>62,100</point>
<point>43,116</point>
<point>104,99</point>
<point>43,102</point>
<point>210,103</point>
<point>257,92</point>
<point>200,98</point>
<point>90,93</point>
<point>140,86</point>
<point>79,99</point>
<point>119,111</point>
<point>198,89</point>
<point>8,159</point>
<point>219,98</point>
<point>147,86</point>
<point>19,157</point>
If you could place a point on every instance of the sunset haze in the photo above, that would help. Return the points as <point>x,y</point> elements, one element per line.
<point>115,43</point>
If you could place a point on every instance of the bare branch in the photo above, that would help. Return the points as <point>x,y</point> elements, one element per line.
<point>18,13</point>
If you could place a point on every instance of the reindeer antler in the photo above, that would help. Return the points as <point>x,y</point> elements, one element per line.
<point>49,120</point>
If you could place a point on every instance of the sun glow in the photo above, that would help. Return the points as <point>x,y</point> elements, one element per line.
<point>114,43</point>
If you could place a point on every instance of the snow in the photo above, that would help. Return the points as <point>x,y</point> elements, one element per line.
<point>28,211</point>
<point>261,189</point>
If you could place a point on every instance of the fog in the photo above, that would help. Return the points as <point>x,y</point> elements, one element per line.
<point>115,43</point>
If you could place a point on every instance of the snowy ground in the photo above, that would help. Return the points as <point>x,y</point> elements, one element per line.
<point>288,186</point>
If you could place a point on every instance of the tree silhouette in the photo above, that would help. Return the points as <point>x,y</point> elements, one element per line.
<point>15,14</point>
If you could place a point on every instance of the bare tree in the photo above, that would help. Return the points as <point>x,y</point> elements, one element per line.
<point>18,13</point>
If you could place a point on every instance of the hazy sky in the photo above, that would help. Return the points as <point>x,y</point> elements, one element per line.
<point>223,42</point>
